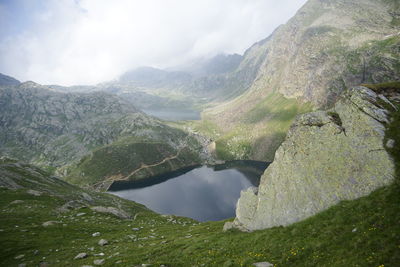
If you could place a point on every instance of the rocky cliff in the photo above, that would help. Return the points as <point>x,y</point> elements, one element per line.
<point>328,156</point>
<point>326,47</point>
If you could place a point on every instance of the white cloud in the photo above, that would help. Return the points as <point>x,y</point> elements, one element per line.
<point>89,41</point>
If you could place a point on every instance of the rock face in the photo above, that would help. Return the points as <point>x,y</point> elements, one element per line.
<point>325,47</point>
<point>328,156</point>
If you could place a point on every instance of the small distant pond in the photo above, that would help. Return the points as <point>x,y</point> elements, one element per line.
<point>202,193</point>
<point>173,114</point>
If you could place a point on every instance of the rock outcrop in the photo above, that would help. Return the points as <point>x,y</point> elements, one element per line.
<point>328,156</point>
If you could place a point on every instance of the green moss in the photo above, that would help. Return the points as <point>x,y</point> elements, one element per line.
<point>384,87</point>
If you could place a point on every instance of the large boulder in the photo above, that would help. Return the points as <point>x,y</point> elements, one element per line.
<point>328,156</point>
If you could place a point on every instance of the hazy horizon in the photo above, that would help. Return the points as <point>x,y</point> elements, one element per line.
<point>70,42</point>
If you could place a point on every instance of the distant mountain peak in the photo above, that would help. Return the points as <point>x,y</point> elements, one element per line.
<point>7,80</point>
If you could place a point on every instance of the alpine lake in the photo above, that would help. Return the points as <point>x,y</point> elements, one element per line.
<point>203,193</point>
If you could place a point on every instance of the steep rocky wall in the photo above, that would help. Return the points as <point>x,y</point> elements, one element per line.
<point>328,156</point>
<point>326,47</point>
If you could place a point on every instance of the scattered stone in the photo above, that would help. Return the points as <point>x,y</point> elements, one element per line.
<point>22,265</point>
<point>99,262</point>
<point>91,248</point>
<point>354,230</point>
<point>135,229</point>
<point>103,242</point>
<point>87,197</point>
<point>34,192</point>
<point>87,266</point>
<point>100,254</point>
<point>390,143</point>
<point>80,214</point>
<point>36,252</point>
<point>80,256</point>
<point>96,234</point>
<point>263,264</point>
<point>70,205</point>
<point>49,223</point>
<point>16,202</point>
<point>227,226</point>
<point>19,257</point>
<point>111,210</point>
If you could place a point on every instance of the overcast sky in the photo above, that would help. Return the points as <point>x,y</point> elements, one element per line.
<point>89,41</point>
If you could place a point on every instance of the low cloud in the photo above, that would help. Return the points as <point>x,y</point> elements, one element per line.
<point>89,41</point>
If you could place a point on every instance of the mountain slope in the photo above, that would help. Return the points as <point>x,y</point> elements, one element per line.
<point>7,80</point>
<point>61,131</point>
<point>326,47</point>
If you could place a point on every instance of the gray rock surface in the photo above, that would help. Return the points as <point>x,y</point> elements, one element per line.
<point>111,210</point>
<point>263,264</point>
<point>49,223</point>
<point>102,242</point>
<point>328,156</point>
<point>99,262</point>
<point>80,256</point>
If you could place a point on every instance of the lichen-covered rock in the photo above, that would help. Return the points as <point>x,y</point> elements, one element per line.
<point>328,156</point>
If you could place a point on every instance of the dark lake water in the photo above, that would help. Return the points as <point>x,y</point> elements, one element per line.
<point>202,193</point>
<point>173,114</point>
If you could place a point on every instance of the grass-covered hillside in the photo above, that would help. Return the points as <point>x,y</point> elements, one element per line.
<point>46,221</point>
<point>363,232</point>
<point>257,133</point>
<point>133,158</point>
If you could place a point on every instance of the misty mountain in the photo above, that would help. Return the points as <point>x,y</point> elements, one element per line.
<point>7,80</point>
<point>155,78</point>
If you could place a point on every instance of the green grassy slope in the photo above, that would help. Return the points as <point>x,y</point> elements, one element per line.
<point>328,239</point>
<point>130,159</point>
<point>257,133</point>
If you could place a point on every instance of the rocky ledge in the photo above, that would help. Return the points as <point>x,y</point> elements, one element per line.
<point>328,156</point>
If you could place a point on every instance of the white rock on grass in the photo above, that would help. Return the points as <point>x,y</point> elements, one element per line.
<point>103,242</point>
<point>80,256</point>
<point>96,234</point>
<point>99,262</point>
<point>34,192</point>
<point>17,202</point>
<point>49,223</point>
<point>263,264</point>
